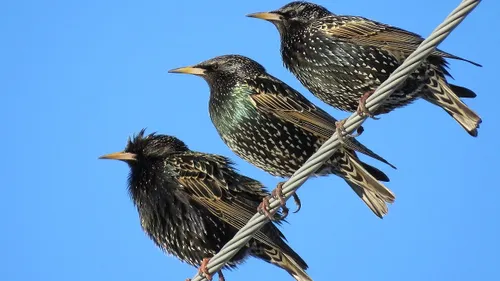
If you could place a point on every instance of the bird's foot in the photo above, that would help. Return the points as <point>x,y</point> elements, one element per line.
<point>362,110</point>
<point>263,208</point>
<point>203,270</point>
<point>340,129</point>
<point>277,194</point>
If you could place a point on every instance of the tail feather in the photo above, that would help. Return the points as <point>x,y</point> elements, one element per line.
<point>353,144</point>
<point>286,259</point>
<point>462,92</point>
<point>376,173</point>
<point>369,189</point>
<point>448,55</point>
<point>376,204</point>
<point>442,94</point>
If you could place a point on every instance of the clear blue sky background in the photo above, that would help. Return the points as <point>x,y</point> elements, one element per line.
<point>78,77</point>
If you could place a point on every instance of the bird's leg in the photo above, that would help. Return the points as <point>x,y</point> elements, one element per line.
<point>203,270</point>
<point>362,110</point>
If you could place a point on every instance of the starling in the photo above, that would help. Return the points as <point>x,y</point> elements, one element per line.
<point>275,128</point>
<point>343,59</point>
<point>192,203</point>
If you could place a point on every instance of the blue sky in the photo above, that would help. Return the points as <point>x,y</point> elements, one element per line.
<point>78,78</point>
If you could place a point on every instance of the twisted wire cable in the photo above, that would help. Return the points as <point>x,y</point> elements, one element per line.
<point>351,124</point>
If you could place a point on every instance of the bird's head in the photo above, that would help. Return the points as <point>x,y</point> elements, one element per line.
<point>298,12</point>
<point>223,69</point>
<point>141,149</point>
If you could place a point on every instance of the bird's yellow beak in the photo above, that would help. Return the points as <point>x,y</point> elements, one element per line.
<point>269,16</point>
<point>188,70</point>
<point>123,156</point>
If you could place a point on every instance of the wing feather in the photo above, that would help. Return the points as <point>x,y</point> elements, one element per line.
<point>214,184</point>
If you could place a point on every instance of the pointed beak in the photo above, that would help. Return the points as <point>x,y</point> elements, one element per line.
<point>269,16</point>
<point>123,156</point>
<point>195,70</point>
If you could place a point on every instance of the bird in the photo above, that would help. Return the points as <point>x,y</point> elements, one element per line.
<point>192,203</point>
<point>342,59</point>
<point>274,127</point>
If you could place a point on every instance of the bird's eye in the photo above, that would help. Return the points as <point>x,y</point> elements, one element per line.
<point>215,66</point>
<point>292,14</point>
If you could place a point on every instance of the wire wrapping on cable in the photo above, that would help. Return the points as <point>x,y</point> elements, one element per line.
<point>352,123</point>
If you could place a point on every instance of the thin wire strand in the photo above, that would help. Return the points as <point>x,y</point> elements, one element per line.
<point>353,122</point>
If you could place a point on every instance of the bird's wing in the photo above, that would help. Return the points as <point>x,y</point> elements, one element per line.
<point>363,31</point>
<point>274,97</point>
<point>212,183</point>
<point>360,30</point>
<point>200,178</point>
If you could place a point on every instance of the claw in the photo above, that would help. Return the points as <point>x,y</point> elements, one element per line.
<point>340,129</point>
<point>284,212</point>
<point>362,110</point>
<point>296,199</point>
<point>277,194</point>
<point>203,270</point>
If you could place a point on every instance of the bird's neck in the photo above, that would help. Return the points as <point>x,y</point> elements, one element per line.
<point>229,107</point>
<point>292,39</point>
<point>150,185</point>
<point>220,84</point>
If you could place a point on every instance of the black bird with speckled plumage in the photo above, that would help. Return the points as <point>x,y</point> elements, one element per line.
<point>191,204</point>
<point>343,59</point>
<point>275,128</point>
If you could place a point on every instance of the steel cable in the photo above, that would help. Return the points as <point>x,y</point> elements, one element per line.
<point>352,123</point>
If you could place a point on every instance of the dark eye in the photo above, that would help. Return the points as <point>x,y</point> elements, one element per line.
<point>292,14</point>
<point>215,66</point>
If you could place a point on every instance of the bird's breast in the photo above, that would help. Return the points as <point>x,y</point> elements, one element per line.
<point>267,142</point>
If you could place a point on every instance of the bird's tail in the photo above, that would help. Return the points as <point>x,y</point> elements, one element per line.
<point>444,54</point>
<point>364,180</point>
<point>354,144</point>
<point>285,258</point>
<point>447,97</point>
<point>462,92</point>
